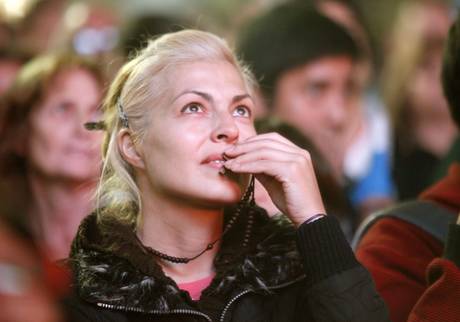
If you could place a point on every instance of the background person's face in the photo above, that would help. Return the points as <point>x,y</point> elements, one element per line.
<point>58,145</point>
<point>206,111</point>
<point>321,99</point>
<point>425,96</point>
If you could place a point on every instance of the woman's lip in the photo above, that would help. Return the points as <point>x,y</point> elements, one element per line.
<point>217,164</point>
<point>214,158</point>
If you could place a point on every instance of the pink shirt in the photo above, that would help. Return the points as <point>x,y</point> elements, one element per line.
<point>196,287</point>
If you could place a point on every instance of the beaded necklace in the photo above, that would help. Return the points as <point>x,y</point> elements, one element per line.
<point>246,202</point>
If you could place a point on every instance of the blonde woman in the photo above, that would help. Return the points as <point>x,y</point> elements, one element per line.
<point>423,130</point>
<point>177,236</point>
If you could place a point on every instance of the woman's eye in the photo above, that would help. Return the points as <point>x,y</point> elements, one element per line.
<point>62,108</point>
<point>242,111</point>
<point>192,108</point>
<point>315,89</point>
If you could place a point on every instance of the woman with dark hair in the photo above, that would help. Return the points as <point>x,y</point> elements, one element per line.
<point>176,235</point>
<point>49,162</point>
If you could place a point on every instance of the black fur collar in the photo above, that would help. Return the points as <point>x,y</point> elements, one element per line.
<point>111,266</point>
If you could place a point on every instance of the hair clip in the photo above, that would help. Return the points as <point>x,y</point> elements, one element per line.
<point>95,126</point>
<point>122,115</point>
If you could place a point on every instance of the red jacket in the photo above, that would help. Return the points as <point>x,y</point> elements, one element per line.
<point>397,253</point>
<point>441,301</point>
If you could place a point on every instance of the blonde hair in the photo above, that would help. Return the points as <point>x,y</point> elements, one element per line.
<point>140,84</point>
<point>409,46</point>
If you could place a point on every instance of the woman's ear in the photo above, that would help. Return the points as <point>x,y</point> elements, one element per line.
<point>128,149</point>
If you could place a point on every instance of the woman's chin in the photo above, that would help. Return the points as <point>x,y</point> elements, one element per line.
<point>76,175</point>
<point>225,197</point>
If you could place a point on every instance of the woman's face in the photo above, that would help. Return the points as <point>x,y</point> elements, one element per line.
<point>425,95</point>
<point>58,145</point>
<point>207,110</point>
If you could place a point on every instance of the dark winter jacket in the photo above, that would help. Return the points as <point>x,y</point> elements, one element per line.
<point>272,279</point>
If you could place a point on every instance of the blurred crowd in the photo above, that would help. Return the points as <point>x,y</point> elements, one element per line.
<point>371,112</point>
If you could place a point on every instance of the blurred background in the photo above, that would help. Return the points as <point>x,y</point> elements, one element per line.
<point>42,17</point>
<point>395,136</point>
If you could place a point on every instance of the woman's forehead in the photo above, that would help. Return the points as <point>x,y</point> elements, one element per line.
<point>214,76</point>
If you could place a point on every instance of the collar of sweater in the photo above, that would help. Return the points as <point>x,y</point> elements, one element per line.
<point>111,267</point>
<point>447,190</point>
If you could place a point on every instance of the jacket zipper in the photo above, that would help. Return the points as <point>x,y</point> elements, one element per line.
<point>224,311</point>
<point>192,312</point>
<point>227,307</point>
<point>133,309</point>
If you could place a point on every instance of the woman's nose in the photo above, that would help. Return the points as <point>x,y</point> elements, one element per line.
<point>336,113</point>
<point>225,129</point>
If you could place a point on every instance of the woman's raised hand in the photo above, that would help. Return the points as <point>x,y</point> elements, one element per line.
<point>284,169</point>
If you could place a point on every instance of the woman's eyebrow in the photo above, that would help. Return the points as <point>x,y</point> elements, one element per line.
<point>209,98</point>
<point>241,97</point>
<point>202,94</point>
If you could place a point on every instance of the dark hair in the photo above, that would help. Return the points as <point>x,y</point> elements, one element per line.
<point>288,36</point>
<point>450,76</point>
<point>14,54</point>
<point>366,41</point>
<point>143,28</point>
